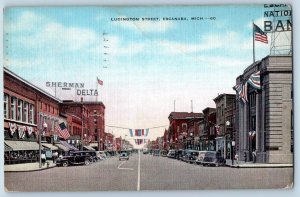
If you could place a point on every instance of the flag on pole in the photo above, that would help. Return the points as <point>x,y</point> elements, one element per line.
<point>259,35</point>
<point>254,80</point>
<point>100,82</point>
<point>62,131</point>
<point>147,131</point>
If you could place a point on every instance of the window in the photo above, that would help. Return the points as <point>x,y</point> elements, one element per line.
<point>25,112</point>
<point>20,110</point>
<point>5,99</point>
<point>31,113</point>
<point>253,123</point>
<point>252,99</point>
<point>13,108</point>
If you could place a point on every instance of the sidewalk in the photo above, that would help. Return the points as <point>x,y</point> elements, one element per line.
<point>27,167</point>
<point>243,164</point>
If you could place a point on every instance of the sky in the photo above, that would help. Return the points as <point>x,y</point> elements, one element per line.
<point>144,65</point>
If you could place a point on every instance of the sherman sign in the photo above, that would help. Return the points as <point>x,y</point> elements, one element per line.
<point>79,87</point>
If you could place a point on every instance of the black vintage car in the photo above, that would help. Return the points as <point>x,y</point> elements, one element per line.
<point>190,156</point>
<point>77,158</point>
<point>213,158</point>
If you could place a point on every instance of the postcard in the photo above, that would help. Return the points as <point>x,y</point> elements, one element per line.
<point>115,98</point>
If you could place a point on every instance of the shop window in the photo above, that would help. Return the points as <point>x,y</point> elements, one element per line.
<point>25,112</point>
<point>13,103</point>
<point>5,108</point>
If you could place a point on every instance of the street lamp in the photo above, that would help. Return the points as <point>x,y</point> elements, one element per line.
<point>40,143</point>
<point>232,147</point>
<point>191,135</point>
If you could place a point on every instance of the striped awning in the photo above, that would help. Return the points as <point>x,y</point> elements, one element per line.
<point>62,147</point>
<point>66,144</point>
<point>50,146</point>
<point>22,145</point>
<point>7,148</point>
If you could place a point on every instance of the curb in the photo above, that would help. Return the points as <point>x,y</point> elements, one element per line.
<point>260,166</point>
<point>39,169</point>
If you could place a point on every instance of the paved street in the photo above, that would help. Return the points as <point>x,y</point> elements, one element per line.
<point>146,173</point>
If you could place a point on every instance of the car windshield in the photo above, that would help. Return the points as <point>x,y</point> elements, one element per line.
<point>194,153</point>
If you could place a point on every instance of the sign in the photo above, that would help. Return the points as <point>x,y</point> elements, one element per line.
<point>79,87</point>
<point>278,18</point>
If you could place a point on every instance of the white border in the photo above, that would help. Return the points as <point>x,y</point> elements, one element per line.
<point>224,193</point>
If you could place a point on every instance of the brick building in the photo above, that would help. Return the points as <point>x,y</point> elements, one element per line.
<point>178,129</point>
<point>208,130</point>
<point>222,102</point>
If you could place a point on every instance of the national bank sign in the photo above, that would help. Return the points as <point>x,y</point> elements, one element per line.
<point>80,89</point>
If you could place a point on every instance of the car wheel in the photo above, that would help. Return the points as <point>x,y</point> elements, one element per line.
<point>86,162</point>
<point>65,164</point>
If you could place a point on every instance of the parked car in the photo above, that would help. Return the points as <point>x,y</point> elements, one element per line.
<point>212,158</point>
<point>200,157</point>
<point>101,155</point>
<point>77,158</point>
<point>156,152</point>
<point>171,153</point>
<point>191,156</point>
<point>163,153</point>
<point>123,156</point>
<point>179,153</point>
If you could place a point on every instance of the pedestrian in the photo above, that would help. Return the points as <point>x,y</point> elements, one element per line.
<point>54,156</point>
<point>43,157</point>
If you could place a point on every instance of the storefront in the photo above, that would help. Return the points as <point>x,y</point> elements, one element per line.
<point>220,145</point>
<point>20,152</point>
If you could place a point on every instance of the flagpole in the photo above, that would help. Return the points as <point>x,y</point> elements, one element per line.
<point>253,41</point>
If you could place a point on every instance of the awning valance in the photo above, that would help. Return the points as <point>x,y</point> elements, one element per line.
<point>22,145</point>
<point>50,146</point>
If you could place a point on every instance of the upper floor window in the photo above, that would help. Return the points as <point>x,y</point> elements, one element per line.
<point>5,109</point>
<point>25,112</point>
<point>31,114</point>
<point>13,105</point>
<point>20,110</point>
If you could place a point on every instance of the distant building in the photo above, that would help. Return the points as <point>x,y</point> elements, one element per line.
<point>223,141</point>
<point>178,129</point>
<point>208,130</point>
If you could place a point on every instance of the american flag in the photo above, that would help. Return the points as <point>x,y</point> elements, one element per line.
<point>62,130</point>
<point>259,35</point>
<point>100,82</point>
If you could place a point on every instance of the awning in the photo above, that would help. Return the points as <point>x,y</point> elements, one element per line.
<point>50,146</point>
<point>62,147</point>
<point>66,144</point>
<point>93,144</point>
<point>22,145</point>
<point>88,148</point>
<point>7,148</point>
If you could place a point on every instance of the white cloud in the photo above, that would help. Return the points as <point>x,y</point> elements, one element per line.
<point>27,22</point>
<point>146,26</point>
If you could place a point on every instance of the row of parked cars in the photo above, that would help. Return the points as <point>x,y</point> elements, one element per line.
<point>205,158</point>
<point>81,158</point>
